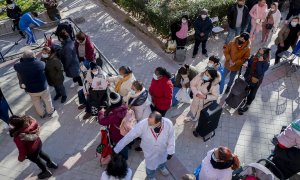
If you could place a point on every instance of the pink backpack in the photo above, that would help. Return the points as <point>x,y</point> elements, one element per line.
<point>128,122</point>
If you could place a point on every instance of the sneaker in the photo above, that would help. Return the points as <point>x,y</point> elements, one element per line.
<point>195,133</point>
<point>87,116</point>
<point>72,85</point>
<point>50,115</point>
<point>164,171</point>
<point>82,106</point>
<point>138,149</point>
<point>56,97</point>
<point>44,175</point>
<point>205,54</point>
<point>227,89</point>
<point>63,99</point>
<point>52,165</point>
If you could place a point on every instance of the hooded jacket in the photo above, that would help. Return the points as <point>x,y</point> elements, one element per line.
<point>27,140</point>
<point>14,13</point>
<point>238,55</point>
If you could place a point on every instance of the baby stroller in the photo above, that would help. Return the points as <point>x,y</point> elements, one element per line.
<point>257,171</point>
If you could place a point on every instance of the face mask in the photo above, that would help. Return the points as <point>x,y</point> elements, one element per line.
<point>132,91</point>
<point>11,6</point>
<point>240,5</point>
<point>272,9</point>
<point>120,76</point>
<point>155,77</point>
<point>95,72</point>
<point>205,78</point>
<point>184,76</point>
<point>203,16</point>
<point>210,65</point>
<point>240,42</point>
<point>45,55</point>
<point>294,24</point>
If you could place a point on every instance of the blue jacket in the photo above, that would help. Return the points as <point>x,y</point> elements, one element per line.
<point>296,49</point>
<point>261,68</point>
<point>31,73</point>
<point>203,26</point>
<point>69,59</point>
<point>27,19</point>
<point>222,82</point>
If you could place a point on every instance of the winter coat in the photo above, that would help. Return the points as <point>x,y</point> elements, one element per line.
<point>199,86</point>
<point>54,70</point>
<point>113,120</point>
<point>89,49</point>
<point>220,69</point>
<point>88,81</point>
<point>176,26</point>
<point>208,172</point>
<point>232,15</point>
<point>258,13</point>
<point>104,176</point>
<point>51,7</point>
<point>276,18</point>
<point>25,143</point>
<point>296,48</point>
<point>125,87</point>
<point>295,4</point>
<point>284,33</point>
<point>31,73</point>
<point>236,55</point>
<point>203,26</point>
<point>14,13</point>
<point>260,69</point>
<point>161,92</point>
<point>140,104</point>
<point>192,73</point>
<point>26,20</point>
<point>69,58</point>
<point>155,150</point>
<point>289,138</point>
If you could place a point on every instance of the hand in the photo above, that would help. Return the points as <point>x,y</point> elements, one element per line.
<point>202,34</point>
<point>169,156</point>
<point>86,94</point>
<point>281,44</point>
<point>261,58</point>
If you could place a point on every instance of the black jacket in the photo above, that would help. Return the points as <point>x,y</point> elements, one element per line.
<point>15,13</point>
<point>69,58</point>
<point>232,15</point>
<point>54,70</point>
<point>139,100</point>
<point>203,26</point>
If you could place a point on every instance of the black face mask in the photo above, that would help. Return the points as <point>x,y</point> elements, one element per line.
<point>240,6</point>
<point>240,42</point>
<point>220,165</point>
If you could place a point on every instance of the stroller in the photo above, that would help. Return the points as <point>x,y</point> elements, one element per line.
<point>257,171</point>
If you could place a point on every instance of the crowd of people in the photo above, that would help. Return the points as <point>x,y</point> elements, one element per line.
<point>110,98</point>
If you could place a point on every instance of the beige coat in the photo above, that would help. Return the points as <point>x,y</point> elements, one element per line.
<point>125,87</point>
<point>198,86</point>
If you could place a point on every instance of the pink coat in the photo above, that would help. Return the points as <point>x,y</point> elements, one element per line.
<point>258,13</point>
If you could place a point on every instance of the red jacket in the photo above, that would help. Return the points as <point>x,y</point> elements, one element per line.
<point>161,91</point>
<point>89,49</point>
<point>27,147</point>
<point>113,120</point>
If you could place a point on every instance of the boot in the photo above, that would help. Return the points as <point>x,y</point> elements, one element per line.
<point>63,99</point>
<point>52,165</point>
<point>56,97</point>
<point>45,174</point>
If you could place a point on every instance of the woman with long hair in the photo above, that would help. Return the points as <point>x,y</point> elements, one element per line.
<point>117,169</point>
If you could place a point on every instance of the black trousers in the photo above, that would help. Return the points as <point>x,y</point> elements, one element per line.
<point>37,157</point>
<point>78,80</point>
<point>181,43</point>
<point>252,93</point>
<point>162,112</point>
<point>197,44</point>
<point>16,25</point>
<point>280,50</point>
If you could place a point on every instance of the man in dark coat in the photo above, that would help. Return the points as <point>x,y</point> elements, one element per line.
<point>31,74</point>
<point>14,12</point>
<point>52,11</point>
<point>69,58</point>
<point>54,73</point>
<point>203,27</point>
<point>238,17</point>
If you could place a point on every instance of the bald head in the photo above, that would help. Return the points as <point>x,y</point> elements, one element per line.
<point>28,54</point>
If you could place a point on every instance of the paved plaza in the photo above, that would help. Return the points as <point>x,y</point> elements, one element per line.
<point>71,141</point>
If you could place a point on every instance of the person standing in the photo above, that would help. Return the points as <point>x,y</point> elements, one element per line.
<point>14,12</point>
<point>294,10</point>
<point>69,59</point>
<point>236,53</point>
<point>287,37</point>
<point>85,49</point>
<point>25,132</point>
<point>54,73</point>
<point>214,62</point>
<point>180,31</point>
<point>52,11</point>
<point>161,90</point>
<point>256,69</point>
<point>237,17</point>
<point>271,23</point>
<point>250,4</point>
<point>258,15</point>
<point>24,24</point>
<point>203,27</point>
<point>32,78</point>
<point>158,142</point>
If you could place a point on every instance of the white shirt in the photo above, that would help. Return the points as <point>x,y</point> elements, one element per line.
<point>106,177</point>
<point>155,149</point>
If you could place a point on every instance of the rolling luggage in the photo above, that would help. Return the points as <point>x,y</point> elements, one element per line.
<point>209,120</point>
<point>180,55</point>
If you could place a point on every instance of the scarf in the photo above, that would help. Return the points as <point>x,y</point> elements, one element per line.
<point>120,82</point>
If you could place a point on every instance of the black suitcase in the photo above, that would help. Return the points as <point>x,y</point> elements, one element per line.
<point>209,120</point>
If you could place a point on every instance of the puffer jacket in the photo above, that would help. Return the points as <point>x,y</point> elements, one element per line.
<point>237,55</point>
<point>27,140</point>
<point>140,104</point>
<point>290,137</point>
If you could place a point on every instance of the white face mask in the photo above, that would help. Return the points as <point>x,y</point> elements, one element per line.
<point>184,76</point>
<point>45,55</point>
<point>95,72</point>
<point>155,77</point>
<point>132,92</point>
<point>120,76</point>
<point>184,21</point>
<point>272,9</point>
<point>294,24</point>
<point>203,16</point>
<point>11,6</point>
<point>210,65</point>
<point>205,78</point>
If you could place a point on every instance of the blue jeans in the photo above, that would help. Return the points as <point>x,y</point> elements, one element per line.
<point>30,36</point>
<point>232,76</point>
<point>151,173</point>
<point>233,33</point>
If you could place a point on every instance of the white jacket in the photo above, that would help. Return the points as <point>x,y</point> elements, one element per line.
<point>276,17</point>
<point>106,177</point>
<point>88,81</point>
<point>143,111</point>
<point>125,87</point>
<point>155,151</point>
<point>208,172</point>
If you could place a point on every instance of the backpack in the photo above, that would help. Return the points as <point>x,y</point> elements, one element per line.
<point>67,27</point>
<point>104,149</point>
<point>128,122</point>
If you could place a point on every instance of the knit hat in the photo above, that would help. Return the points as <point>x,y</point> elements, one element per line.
<point>245,35</point>
<point>204,12</point>
<point>296,126</point>
<point>93,65</point>
<point>114,98</point>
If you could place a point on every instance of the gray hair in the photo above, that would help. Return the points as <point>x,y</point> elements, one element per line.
<point>28,54</point>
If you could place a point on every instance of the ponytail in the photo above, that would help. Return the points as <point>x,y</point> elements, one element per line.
<point>235,162</point>
<point>163,72</point>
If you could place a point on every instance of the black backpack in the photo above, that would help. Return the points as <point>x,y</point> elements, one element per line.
<point>67,27</point>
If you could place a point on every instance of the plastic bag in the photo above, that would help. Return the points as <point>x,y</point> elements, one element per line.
<point>183,96</point>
